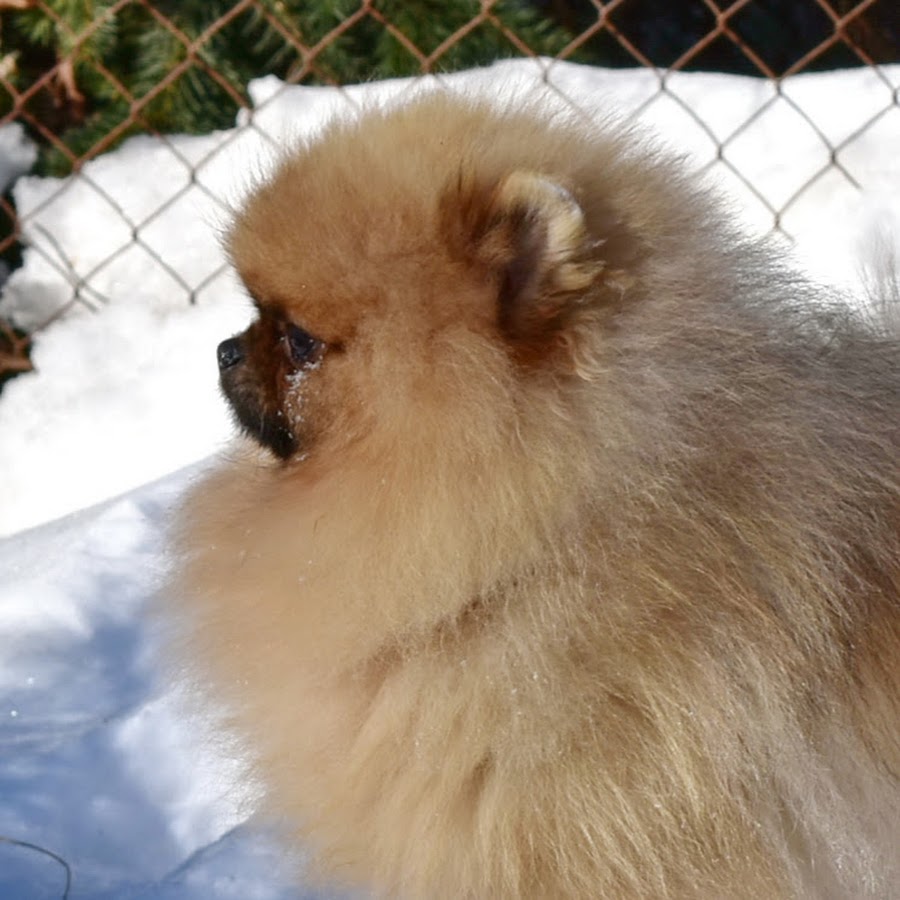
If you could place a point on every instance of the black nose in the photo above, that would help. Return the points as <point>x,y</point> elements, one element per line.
<point>230,353</point>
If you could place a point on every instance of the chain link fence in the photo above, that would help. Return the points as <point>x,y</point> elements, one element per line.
<point>80,77</point>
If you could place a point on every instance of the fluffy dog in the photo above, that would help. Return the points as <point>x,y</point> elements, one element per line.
<point>563,560</point>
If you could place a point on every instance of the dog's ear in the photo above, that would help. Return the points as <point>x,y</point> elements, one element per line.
<point>530,231</point>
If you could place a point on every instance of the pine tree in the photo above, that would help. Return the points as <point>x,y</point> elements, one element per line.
<point>108,65</point>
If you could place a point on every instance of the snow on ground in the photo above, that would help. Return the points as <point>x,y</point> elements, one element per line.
<point>100,763</point>
<point>97,763</point>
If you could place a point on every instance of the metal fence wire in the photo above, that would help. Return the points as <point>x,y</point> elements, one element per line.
<point>81,76</point>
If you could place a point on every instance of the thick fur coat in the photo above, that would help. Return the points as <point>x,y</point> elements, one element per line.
<point>566,561</point>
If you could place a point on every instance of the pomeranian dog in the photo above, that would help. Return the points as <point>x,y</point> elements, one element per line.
<point>562,559</point>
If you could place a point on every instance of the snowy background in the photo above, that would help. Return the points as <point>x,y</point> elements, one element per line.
<point>100,763</point>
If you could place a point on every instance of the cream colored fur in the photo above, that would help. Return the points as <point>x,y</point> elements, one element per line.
<point>599,600</point>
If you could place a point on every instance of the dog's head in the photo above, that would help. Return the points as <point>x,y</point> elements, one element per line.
<point>409,268</point>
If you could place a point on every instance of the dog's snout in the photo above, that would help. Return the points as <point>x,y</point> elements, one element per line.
<point>230,353</point>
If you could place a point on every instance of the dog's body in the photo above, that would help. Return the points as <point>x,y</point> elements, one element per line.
<point>574,570</point>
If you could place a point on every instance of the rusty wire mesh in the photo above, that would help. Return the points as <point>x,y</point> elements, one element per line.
<point>48,99</point>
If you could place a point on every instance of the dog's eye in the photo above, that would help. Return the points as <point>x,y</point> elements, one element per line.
<point>302,346</point>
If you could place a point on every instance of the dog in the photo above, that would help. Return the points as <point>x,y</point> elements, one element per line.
<point>560,555</point>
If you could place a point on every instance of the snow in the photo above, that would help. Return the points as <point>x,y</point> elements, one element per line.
<point>17,153</point>
<point>103,763</point>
